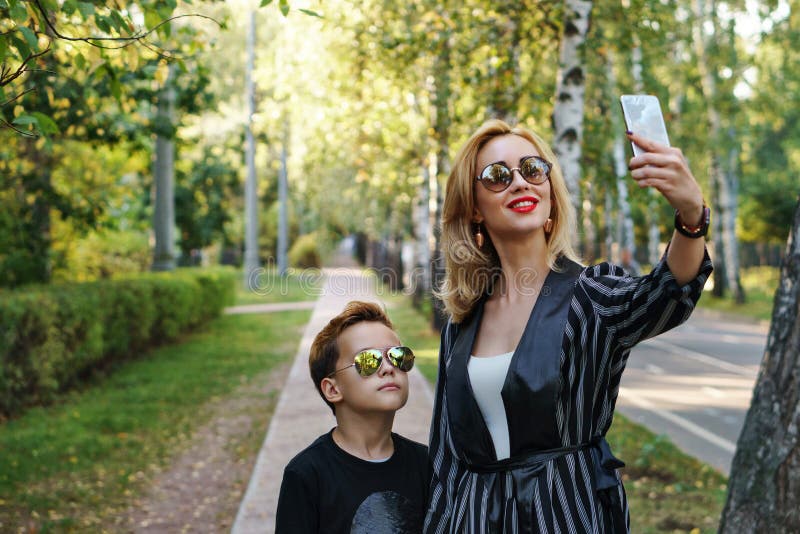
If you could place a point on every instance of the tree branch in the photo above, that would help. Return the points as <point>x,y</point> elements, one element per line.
<point>6,78</point>
<point>23,133</point>
<point>138,37</point>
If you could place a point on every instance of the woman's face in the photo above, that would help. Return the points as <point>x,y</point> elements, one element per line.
<point>523,207</point>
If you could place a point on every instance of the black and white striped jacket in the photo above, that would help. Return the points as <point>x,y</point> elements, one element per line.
<point>559,397</point>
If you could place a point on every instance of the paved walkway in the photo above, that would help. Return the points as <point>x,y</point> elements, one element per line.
<point>271,307</point>
<point>301,415</point>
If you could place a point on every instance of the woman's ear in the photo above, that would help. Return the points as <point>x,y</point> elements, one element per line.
<point>476,216</point>
<point>330,389</point>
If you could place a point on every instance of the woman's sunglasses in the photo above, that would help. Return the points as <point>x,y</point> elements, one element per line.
<point>368,361</point>
<point>497,177</point>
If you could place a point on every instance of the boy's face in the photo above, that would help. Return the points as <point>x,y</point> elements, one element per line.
<point>384,391</point>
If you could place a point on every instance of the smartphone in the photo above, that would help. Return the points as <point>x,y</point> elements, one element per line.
<point>643,116</point>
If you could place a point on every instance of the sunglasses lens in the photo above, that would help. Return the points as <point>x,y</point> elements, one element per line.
<point>496,177</point>
<point>535,170</point>
<point>368,361</point>
<point>402,358</point>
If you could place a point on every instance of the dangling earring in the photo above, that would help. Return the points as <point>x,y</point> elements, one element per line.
<point>548,225</point>
<point>478,236</point>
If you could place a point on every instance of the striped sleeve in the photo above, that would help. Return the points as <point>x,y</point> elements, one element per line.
<point>633,309</point>
<point>446,468</point>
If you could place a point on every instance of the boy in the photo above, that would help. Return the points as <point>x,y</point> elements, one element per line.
<point>360,477</point>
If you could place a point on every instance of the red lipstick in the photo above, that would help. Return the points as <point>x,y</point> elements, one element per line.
<point>523,204</point>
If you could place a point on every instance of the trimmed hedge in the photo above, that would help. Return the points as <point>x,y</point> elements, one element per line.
<point>52,336</point>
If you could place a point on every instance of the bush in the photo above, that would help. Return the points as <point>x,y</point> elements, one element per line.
<point>51,336</point>
<point>304,252</point>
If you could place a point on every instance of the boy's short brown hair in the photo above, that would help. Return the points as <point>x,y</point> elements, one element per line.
<point>325,348</point>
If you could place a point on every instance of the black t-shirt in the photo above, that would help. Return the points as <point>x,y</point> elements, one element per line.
<point>327,490</point>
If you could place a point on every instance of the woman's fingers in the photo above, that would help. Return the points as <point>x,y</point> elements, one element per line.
<point>669,157</point>
<point>645,143</point>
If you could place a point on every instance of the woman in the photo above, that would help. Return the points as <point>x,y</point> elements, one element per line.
<point>532,356</point>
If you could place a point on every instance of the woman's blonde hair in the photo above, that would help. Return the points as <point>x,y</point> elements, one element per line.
<point>470,271</point>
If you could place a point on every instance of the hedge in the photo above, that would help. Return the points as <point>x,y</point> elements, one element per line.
<point>53,336</point>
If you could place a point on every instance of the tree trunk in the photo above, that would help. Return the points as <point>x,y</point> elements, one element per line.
<point>424,222</point>
<point>764,487</point>
<point>726,207</point>
<point>164,170</point>
<point>570,89</point>
<point>625,238</point>
<point>441,128</point>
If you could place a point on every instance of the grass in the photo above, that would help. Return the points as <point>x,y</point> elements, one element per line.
<point>668,490</point>
<point>72,466</point>
<point>759,285</point>
<point>270,287</point>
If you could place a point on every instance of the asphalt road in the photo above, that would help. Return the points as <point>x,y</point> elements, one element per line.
<point>694,384</point>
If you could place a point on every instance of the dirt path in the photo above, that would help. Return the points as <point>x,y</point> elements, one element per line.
<point>201,489</point>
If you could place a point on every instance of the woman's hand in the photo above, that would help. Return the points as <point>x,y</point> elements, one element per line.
<point>665,168</point>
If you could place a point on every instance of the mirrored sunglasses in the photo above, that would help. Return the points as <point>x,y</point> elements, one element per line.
<point>497,177</point>
<point>368,361</point>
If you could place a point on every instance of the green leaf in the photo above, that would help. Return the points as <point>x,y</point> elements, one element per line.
<point>310,13</point>
<point>79,61</point>
<point>118,22</point>
<point>116,88</point>
<point>46,125</point>
<point>69,7</point>
<point>86,9</point>
<point>3,4</point>
<point>284,5</point>
<point>24,120</point>
<point>151,19</point>
<point>19,13</point>
<point>21,45</point>
<point>30,38</point>
<point>102,23</point>
<point>265,3</point>
<point>3,49</point>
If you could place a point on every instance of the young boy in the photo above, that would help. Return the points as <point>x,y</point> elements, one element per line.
<point>360,477</point>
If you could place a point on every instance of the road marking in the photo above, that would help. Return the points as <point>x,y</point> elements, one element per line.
<point>714,392</point>
<point>656,370</point>
<point>682,422</point>
<point>699,356</point>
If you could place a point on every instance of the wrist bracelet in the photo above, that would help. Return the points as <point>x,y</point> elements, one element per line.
<point>693,232</point>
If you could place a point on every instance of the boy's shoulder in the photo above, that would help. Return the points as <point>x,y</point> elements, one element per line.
<point>412,446</point>
<point>307,460</point>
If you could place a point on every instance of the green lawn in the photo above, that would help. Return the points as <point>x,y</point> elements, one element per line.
<point>668,490</point>
<point>759,285</point>
<point>71,466</point>
<point>269,287</point>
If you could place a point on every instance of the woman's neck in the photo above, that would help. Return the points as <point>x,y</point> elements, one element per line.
<point>523,263</point>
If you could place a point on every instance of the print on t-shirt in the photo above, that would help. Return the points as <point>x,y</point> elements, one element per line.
<point>386,512</point>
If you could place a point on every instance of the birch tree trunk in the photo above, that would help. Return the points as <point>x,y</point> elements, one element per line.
<point>441,128</point>
<point>625,238</point>
<point>163,170</point>
<point>726,206</point>
<point>570,89</point>
<point>764,486</point>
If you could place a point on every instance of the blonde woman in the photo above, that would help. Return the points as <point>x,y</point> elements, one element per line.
<point>532,355</point>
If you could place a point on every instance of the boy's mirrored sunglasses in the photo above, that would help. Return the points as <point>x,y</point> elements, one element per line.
<point>497,177</point>
<point>368,361</point>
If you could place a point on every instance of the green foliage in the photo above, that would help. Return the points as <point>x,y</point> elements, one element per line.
<point>77,465</point>
<point>304,253</point>
<point>52,336</point>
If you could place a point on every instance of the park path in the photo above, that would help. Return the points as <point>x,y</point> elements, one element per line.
<point>301,415</point>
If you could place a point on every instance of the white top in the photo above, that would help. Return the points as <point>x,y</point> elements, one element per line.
<point>487,375</point>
